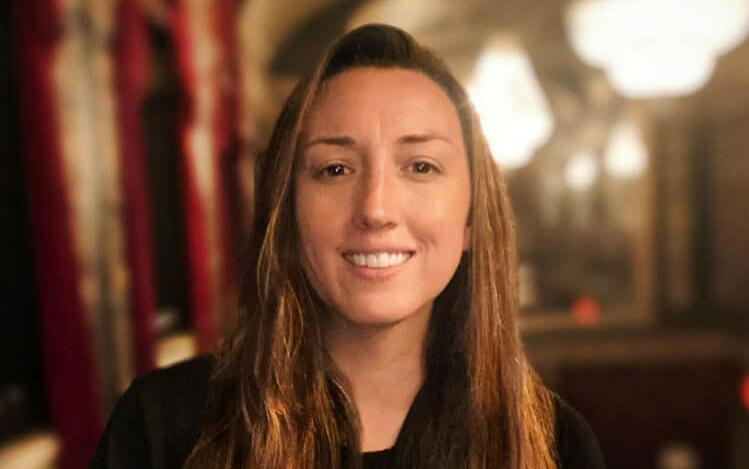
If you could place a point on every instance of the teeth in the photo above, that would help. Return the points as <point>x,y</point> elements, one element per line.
<point>379,260</point>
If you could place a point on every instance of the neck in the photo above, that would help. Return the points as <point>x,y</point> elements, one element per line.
<point>384,369</point>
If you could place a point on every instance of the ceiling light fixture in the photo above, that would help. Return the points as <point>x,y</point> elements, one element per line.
<point>513,109</point>
<point>656,48</point>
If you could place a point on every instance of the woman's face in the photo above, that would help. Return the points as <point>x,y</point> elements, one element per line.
<point>382,194</point>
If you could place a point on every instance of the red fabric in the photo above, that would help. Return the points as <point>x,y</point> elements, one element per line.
<point>241,190</point>
<point>225,126</point>
<point>198,250</point>
<point>69,364</point>
<point>131,61</point>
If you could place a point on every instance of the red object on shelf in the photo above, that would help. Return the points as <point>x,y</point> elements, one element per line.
<point>586,311</point>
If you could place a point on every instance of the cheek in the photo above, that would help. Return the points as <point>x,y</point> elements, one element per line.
<point>310,241</point>
<point>446,219</point>
<point>318,227</point>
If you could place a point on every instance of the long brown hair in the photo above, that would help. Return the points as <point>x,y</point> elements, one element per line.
<point>274,399</point>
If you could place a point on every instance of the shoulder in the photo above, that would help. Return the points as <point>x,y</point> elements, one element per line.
<point>158,419</point>
<point>182,381</point>
<point>576,444</point>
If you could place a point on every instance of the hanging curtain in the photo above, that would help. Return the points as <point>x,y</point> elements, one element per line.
<point>86,107</point>
<point>229,150</point>
<point>70,372</point>
<point>131,62</point>
<point>82,71</point>
<point>201,37</point>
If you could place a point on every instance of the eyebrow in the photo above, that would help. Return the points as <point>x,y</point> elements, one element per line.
<point>346,141</point>
<point>421,138</point>
<point>340,141</point>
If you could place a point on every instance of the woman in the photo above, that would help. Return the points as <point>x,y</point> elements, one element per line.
<point>380,320</point>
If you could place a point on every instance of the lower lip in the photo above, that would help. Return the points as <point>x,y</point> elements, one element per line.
<point>379,273</point>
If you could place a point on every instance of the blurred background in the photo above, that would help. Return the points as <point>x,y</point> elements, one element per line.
<point>129,130</point>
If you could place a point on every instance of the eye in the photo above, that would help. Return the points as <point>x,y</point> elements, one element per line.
<point>422,167</point>
<point>334,170</point>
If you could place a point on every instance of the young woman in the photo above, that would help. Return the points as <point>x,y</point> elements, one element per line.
<point>379,326</point>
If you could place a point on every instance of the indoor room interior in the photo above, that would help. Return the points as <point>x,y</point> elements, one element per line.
<point>130,130</point>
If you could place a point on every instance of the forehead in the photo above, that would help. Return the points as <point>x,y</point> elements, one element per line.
<point>398,100</point>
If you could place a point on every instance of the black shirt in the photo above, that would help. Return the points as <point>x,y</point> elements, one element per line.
<point>157,421</point>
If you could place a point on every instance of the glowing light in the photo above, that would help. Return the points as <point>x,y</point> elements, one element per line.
<point>586,311</point>
<point>626,155</point>
<point>514,113</point>
<point>678,455</point>
<point>653,48</point>
<point>581,172</point>
<point>745,391</point>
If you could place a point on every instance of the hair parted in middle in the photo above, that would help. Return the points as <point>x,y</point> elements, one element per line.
<point>275,399</point>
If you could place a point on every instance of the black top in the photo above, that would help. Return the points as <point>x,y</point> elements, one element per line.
<point>157,421</point>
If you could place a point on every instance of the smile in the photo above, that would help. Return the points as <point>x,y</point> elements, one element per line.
<point>378,260</point>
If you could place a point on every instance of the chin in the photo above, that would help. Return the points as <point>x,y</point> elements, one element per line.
<point>369,316</point>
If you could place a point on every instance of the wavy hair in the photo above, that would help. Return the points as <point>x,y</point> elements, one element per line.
<point>276,401</point>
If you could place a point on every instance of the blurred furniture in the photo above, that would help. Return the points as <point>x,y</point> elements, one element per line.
<point>651,396</point>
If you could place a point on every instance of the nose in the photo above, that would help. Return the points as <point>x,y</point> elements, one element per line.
<point>376,204</point>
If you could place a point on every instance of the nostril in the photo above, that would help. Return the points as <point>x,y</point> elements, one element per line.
<point>372,220</point>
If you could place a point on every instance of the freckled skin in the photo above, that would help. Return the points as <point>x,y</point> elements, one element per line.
<point>383,165</point>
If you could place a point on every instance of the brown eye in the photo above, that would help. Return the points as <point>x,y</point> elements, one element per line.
<point>422,167</point>
<point>334,170</point>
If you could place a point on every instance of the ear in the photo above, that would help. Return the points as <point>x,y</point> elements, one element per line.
<point>467,238</point>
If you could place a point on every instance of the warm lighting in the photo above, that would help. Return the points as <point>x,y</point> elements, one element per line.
<point>36,450</point>
<point>581,172</point>
<point>513,109</point>
<point>652,48</point>
<point>678,455</point>
<point>586,311</point>
<point>626,155</point>
<point>527,294</point>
